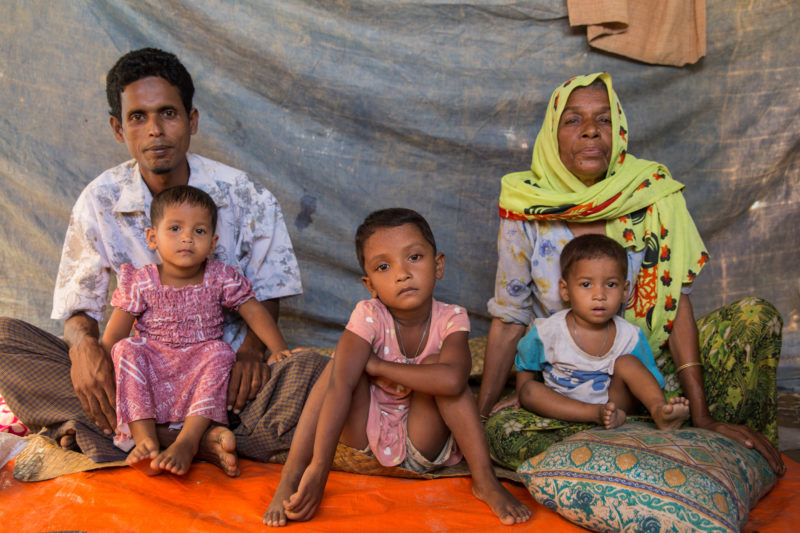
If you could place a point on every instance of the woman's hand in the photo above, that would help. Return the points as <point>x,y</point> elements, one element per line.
<point>747,438</point>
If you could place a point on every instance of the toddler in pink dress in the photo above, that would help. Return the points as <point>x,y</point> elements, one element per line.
<point>175,369</point>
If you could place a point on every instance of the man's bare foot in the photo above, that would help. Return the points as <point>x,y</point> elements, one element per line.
<point>67,440</point>
<point>671,415</point>
<point>503,504</point>
<point>177,458</point>
<point>610,417</point>
<point>142,456</point>
<point>275,515</point>
<point>302,505</point>
<point>218,446</point>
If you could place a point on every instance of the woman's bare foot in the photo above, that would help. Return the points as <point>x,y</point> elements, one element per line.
<point>610,417</point>
<point>275,515</point>
<point>142,456</point>
<point>218,446</point>
<point>302,505</point>
<point>671,415</point>
<point>177,458</point>
<point>503,504</point>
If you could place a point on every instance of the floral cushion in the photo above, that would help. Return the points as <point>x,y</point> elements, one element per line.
<point>636,478</point>
<point>10,423</point>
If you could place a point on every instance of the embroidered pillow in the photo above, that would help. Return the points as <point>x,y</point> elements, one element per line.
<point>636,478</point>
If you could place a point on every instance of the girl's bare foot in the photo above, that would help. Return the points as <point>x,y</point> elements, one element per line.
<point>503,504</point>
<point>142,456</point>
<point>671,415</point>
<point>218,446</point>
<point>275,515</point>
<point>302,505</point>
<point>177,458</point>
<point>610,417</point>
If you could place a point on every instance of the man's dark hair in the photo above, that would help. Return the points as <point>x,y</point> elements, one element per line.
<point>144,63</point>
<point>178,195</point>
<point>390,218</point>
<point>592,246</point>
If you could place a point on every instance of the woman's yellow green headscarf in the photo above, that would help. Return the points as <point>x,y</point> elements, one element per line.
<point>642,204</point>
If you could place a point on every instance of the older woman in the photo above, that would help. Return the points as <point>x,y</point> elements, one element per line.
<point>582,180</point>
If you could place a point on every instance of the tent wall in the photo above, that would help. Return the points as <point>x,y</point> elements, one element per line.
<point>340,108</point>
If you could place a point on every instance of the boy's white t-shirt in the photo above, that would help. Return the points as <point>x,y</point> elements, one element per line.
<point>570,371</point>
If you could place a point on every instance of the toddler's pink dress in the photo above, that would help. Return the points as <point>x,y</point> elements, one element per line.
<point>176,365</point>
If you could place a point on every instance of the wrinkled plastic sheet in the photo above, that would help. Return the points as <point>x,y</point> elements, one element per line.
<point>340,108</point>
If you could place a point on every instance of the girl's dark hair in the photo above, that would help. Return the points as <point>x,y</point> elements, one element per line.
<point>390,218</point>
<point>145,63</point>
<point>182,194</point>
<point>592,246</point>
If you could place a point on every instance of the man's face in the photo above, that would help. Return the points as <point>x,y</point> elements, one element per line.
<point>156,129</point>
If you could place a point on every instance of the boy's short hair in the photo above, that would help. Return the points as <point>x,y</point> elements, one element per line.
<point>145,63</point>
<point>390,218</point>
<point>592,246</point>
<point>182,194</point>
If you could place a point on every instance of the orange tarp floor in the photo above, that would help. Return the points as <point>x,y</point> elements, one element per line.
<point>123,499</point>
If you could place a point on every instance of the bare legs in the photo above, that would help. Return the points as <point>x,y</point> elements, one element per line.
<point>631,381</point>
<point>302,481</point>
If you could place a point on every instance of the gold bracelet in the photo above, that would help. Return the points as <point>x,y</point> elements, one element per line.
<point>684,366</point>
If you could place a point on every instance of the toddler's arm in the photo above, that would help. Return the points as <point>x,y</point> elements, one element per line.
<point>447,376</point>
<point>263,325</point>
<point>118,327</point>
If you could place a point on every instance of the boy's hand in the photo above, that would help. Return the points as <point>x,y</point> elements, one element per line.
<point>275,357</point>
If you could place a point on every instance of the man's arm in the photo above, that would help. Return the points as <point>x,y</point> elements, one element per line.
<point>250,371</point>
<point>92,372</point>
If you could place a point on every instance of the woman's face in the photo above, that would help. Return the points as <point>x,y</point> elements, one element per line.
<point>584,134</point>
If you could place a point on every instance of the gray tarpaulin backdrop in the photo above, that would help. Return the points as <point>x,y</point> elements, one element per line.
<point>343,107</point>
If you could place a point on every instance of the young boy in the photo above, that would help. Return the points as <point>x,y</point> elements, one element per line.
<point>591,359</point>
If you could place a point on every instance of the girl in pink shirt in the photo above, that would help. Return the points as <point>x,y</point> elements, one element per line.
<point>397,386</point>
<point>175,369</point>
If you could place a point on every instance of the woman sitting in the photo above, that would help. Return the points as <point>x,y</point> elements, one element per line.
<point>582,180</point>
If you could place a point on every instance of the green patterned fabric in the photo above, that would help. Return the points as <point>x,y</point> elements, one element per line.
<point>636,478</point>
<point>740,346</point>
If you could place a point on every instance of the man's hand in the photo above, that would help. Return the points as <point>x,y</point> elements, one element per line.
<point>92,376</point>
<point>248,375</point>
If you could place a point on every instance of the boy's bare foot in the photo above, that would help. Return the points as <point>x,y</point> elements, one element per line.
<point>177,458</point>
<point>671,415</point>
<point>142,456</point>
<point>275,515</point>
<point>610,417</point>
<point>302,505</point>
<point>218,446</point>
<point>503,504</point>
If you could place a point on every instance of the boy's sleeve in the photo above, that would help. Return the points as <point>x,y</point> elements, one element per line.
<point>530,351</point>
<point>643,352</point>
<point>456,320</point>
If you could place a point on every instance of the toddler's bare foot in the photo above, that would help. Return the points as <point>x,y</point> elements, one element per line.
<point>177,457</point>
<point>671,415</point>
<point>610,417</point>
<point>275,515</point>
<point>142,457</point>
<point>503,504</point>
<point>218,446</point>
<point>302,505</point>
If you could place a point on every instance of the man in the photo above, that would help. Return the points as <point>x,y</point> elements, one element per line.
<point>69,387</point>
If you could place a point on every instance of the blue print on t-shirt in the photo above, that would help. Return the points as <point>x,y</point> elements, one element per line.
<point>578,377</point>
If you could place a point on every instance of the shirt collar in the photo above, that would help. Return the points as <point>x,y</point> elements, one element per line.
<point>136,197</point>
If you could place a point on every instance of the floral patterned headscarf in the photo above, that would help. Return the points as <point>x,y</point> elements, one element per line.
<point>642,205</point>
